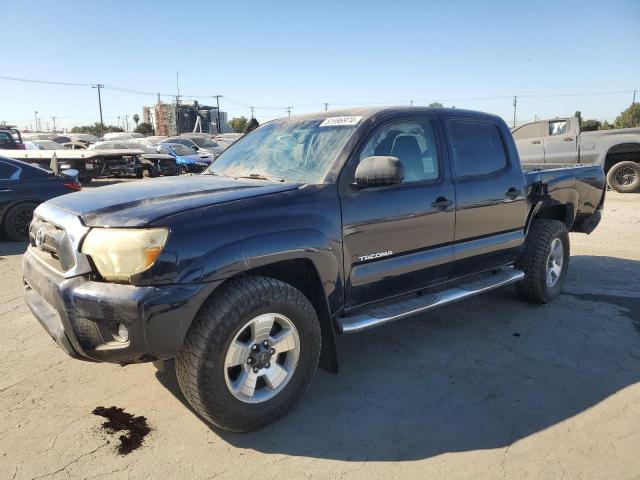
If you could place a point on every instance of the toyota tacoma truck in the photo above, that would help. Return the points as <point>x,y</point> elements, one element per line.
<point>559,142</point>
<point>303,229</point>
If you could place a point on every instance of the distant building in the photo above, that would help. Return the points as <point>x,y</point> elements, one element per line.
<point>170,119</point>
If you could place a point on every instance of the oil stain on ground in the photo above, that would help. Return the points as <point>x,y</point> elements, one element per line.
<point>120,421</point>
<point>630,304</point>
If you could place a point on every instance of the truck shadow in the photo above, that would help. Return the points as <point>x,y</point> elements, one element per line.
<point>8,248</point>
<point>479,374</point>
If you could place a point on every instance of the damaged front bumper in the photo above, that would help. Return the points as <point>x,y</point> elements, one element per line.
<point>84,317</point>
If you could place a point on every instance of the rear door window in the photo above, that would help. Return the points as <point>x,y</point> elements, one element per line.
<point>9,172</point>
<point>477,148</point>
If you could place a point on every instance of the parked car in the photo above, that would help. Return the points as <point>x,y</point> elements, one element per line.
<point>198,144</point>
<point>307,227</point>
<point>22,188</point>
<point>10,139</point>
<point>152,162</point>
<point>559,142</point>
<point>187,160</point>
<point>121,136</point>
<point>75,145</point>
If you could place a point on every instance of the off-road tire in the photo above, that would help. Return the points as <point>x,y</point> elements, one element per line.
<point>533,261</point>
<point>200,362</point>
<point>614,182</point>
<point>14,221</point>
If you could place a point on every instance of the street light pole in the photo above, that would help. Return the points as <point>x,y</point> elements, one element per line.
<point>54,123</point>
<point>99,86</point>
<point>35,117</point>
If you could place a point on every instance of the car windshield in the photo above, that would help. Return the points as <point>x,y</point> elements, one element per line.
<point>291,150</point>
<point>203,142</point>
<point>182,150</point>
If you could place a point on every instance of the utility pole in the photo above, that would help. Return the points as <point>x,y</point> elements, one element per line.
<point>54,123</point>
<point>99,86</point>
<point>177,102</point>
<point>252,109</point>
<point>118,120</point>
<point>634,97</point>
<point>35,117</point>
<point>411,103</point>
<point>218,108</point>
<point>288,109</point>
<point>326,106</point>
<point>126,118</point>
<point>515,107</point>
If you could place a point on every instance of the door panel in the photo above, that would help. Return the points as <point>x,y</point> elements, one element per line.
<point>560,143</point>
<point>491,201</point>
<point>530,143</point>
<point>395,241</point>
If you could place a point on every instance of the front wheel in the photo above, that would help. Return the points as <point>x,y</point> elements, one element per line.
<point>544,261</point>
<point>17,220</point>
<point>624,177</point>
<point>250,353</point>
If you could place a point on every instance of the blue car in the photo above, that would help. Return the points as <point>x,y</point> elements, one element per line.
<point>186,159</point>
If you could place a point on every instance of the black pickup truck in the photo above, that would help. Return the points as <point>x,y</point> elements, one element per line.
<point>304,228</point>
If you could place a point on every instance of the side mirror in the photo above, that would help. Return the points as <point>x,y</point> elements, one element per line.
<point>378,171</point>
<point>195,148</point>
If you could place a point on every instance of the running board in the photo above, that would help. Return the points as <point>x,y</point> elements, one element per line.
<point>397,311</point>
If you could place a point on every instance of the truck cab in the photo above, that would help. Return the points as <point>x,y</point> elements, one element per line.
<point>550,142</point>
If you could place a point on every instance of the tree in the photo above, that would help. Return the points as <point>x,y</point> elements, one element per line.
<point>578,114</point>
<point>252,124</point>
<point>630,118</point>
<point>145,129</point>
<point>238,124</point>
<point>136,118</point>
<point>590,125</point>
<point>605,126</point>
<point>95,129</point>
<point>435,105</point>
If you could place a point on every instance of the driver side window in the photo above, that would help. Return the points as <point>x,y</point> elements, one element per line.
<point>413,142</point>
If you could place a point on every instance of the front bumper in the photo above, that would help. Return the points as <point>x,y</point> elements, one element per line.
<point>82,316</point>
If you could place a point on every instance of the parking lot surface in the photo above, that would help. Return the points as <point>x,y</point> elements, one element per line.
<point>487,388</point>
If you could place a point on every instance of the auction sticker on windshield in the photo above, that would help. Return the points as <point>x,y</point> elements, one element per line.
<point>340,121</point>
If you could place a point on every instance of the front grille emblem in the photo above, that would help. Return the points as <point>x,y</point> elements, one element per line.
<point>40,235</point>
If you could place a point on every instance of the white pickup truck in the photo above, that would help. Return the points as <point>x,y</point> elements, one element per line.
<point>559,142</point>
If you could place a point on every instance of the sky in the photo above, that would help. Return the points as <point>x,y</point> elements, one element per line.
<point>271,55</point>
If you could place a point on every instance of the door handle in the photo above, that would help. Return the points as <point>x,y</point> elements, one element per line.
<point>568,139</point>
<point>536,142</point>
<point>512,193</point>
<point>441,202</point>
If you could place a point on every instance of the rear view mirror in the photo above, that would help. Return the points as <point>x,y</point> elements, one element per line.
<point>195,148</point>
<point>378,171</point>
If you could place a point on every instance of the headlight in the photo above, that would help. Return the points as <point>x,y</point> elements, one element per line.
<point>120,253</point>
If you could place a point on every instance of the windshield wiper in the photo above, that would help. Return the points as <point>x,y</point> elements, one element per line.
<point>259,176</point>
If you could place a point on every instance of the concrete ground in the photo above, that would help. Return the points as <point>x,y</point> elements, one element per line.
<point>487,388</point>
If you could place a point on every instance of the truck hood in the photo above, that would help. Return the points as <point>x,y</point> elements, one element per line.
<point>137,204</point>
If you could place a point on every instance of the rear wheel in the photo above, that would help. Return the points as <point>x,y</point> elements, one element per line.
<point>17,220</point>
<point>250,354</point>
<point>624,177</point>
<point>544,260</point>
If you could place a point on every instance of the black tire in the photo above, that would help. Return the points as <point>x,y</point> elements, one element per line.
<point>534,259</point>
<point>200,362</point>
<point>17,220</point>
<point>624,177</point>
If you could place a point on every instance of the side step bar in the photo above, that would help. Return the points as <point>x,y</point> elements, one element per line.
<point>397,311</point>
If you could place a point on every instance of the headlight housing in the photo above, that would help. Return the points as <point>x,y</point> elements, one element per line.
<point>120,253</point>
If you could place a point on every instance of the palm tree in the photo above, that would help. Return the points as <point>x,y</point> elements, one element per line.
<point>136,118</point>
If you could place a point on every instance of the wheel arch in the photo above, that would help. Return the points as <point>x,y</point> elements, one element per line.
<point>621,152</point>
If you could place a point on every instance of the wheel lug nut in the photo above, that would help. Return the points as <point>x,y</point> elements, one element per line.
<point>265,343</point>
<point>249,360</point>
<point>255,369</point>
<point>267,365</point>
<point>255,347</point>
<point>272,351</point>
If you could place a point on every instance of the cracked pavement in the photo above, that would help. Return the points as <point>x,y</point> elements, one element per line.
<point>487,388</point>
